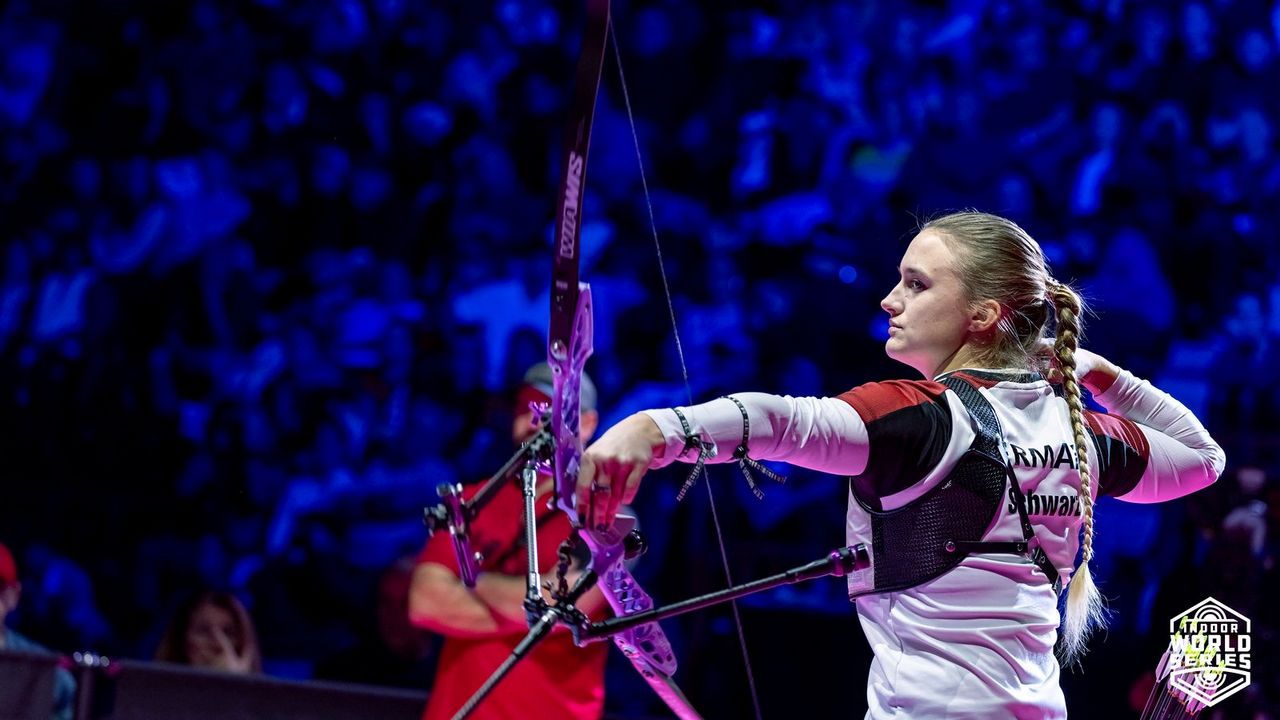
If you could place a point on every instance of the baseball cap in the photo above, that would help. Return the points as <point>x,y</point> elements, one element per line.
<point>539,378</point>
<point>8,568</point>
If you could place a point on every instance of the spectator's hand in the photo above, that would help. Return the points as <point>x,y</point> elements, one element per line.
<point>216,650</point>
<point>227,658</point>
<point>612,468</point>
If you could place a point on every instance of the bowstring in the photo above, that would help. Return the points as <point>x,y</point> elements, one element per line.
<point>684,369</point>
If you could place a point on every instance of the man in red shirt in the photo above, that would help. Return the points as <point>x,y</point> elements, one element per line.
<point>482,625</point>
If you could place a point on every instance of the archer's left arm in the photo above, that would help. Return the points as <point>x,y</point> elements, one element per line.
<point>824,434</point>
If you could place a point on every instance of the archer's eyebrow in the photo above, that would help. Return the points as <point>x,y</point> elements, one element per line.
<point>912,271</point>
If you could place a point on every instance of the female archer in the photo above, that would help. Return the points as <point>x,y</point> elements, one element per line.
<point>971,489</point>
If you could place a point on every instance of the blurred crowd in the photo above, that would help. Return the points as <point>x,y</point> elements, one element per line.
<point>270,268</point>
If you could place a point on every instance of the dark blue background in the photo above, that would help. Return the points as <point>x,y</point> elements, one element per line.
<point>271,267</point>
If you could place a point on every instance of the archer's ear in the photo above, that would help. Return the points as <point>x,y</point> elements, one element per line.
<point>983,316</point>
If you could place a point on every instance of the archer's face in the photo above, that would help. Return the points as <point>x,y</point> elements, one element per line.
<point>928,318</point>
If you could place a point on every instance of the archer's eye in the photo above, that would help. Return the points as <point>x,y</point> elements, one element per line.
<point>915,284</point>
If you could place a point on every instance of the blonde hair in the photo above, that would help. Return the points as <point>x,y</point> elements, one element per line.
<point>999,261</point>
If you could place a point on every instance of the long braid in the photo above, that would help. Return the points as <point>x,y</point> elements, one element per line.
<point>999,261</point>
<point>1085,610</point>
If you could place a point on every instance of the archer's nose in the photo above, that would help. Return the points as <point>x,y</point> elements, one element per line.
<point>890,303</point>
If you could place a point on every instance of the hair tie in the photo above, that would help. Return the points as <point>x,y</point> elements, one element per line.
<point>1032,316</point>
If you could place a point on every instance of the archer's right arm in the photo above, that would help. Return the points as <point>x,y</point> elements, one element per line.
<point>1172,453</point>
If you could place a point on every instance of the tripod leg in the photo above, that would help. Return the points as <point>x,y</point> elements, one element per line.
<point>541,617</point>
<point>536,633</point>
<point>539,630</point>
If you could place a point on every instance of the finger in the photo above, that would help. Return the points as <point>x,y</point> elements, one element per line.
<point>225,646</point>
<point>618,490</point>
<point>588,519</point>
<point>602,498</point>
<point>582,491</point>
<point>633,482</point>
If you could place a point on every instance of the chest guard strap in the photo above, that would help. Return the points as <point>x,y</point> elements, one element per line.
<point>929,536</point>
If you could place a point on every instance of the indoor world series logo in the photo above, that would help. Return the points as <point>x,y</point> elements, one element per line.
<point>1209,652</point>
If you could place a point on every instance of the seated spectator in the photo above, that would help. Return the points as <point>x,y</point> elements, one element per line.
<point>64,688</point>
<point>213,630</point>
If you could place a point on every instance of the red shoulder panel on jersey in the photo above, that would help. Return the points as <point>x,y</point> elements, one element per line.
<point>1118,428</point>
<point>1123,452</point>
<point>908,428</point>
<point>873,401</point>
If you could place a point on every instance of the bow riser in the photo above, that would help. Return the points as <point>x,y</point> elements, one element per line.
<point>567,358</point>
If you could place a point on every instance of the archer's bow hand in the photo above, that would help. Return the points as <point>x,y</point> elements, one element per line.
<point>611,469</point>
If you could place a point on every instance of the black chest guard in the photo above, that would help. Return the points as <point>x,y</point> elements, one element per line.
<point>930,535</point>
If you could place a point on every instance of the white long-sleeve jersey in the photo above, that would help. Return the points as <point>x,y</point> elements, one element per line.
<point>976,642</point>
